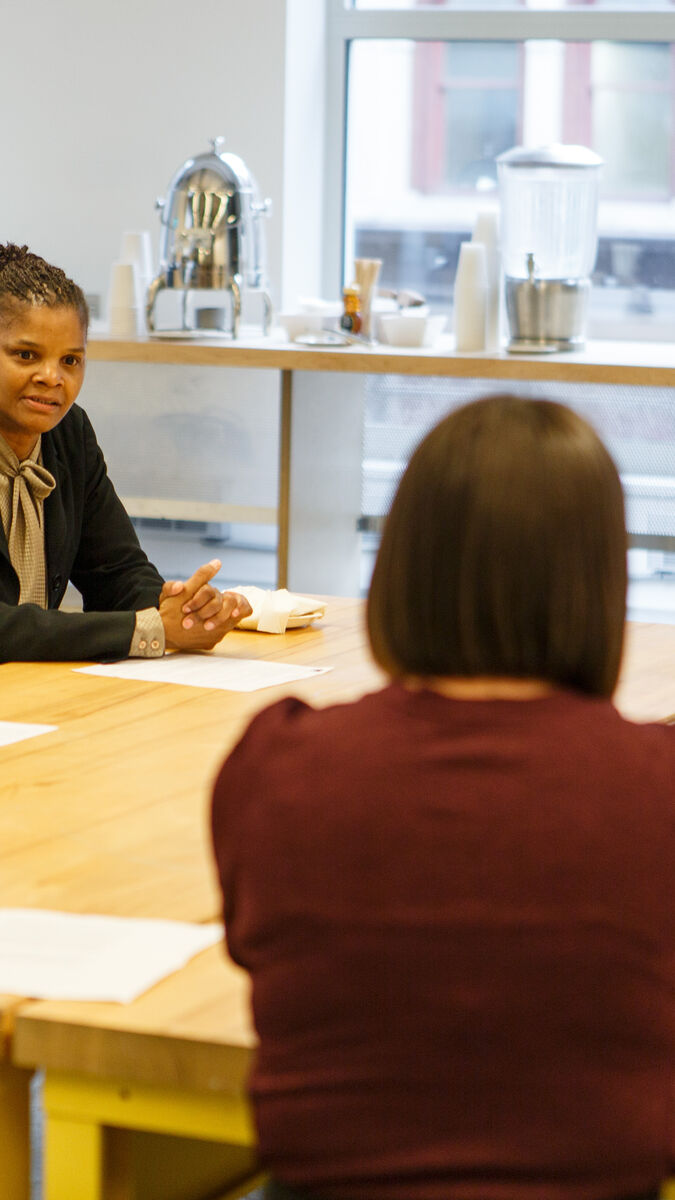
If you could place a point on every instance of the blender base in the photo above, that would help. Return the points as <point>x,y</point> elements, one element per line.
<point>544,345</point>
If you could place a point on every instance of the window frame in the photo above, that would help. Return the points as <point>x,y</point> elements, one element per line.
<point>485,23</point>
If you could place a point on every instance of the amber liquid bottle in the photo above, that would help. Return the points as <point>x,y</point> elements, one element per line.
<point>350,320</point>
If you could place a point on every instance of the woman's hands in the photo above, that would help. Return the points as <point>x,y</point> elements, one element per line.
<point>196,615</point>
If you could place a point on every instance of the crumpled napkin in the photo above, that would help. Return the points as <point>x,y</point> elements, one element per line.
<point>273,611</point>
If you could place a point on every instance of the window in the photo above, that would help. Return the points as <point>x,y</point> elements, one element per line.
<point>422,95</point>
<point>628,116</point>
<point>467,109</point>
<point>427,93</point>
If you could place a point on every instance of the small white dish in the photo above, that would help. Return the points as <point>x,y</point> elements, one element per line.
<point>398,329</point>
<point>297,324</point>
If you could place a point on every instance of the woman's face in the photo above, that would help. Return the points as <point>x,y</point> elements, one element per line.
<point>42,358</point>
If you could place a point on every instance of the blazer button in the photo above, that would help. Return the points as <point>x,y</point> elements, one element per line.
<point>56,583</point>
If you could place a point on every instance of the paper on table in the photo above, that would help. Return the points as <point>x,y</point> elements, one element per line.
<point>15,731</point>
<point>206,670</point>
<point>62,956</point>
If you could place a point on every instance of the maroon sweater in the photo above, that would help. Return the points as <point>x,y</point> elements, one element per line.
<point>459,921</point>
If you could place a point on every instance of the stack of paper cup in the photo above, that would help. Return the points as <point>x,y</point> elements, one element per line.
<point>137,249</point>
<point>125,311</point>
<point>470,299</point>
<point>128,288</point>
<point>486,232</point>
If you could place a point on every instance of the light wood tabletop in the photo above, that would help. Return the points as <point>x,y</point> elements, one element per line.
<point>193,1030</point>
<point>646,690</point>
<point>203,1010</point>
<point>207,1001</point>
<point>108,813</point>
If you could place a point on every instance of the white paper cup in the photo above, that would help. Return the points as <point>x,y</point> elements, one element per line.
<point>137,248</point>
<point>125,322</point>
<point>124,290</point>
<point>470,300</point>
<point>486,232</point>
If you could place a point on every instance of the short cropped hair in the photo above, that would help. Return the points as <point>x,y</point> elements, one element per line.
<point>504,553</point>
<point>25,278</point>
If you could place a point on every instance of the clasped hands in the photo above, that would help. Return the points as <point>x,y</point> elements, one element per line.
<point>196,615</point>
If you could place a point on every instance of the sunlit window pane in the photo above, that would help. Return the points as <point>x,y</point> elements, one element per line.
<point>633,133</point>
<point>618,64</point>
<point>631,117</point>
<point>487,61</point>
<point>479,125</point>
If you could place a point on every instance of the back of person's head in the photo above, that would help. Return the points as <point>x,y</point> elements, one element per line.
<point>504,553</point>
<point>25,278</point>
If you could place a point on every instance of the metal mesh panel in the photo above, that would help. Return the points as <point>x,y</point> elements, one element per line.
<point>636,423</point>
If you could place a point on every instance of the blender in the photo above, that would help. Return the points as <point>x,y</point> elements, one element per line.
<point>549,209</point>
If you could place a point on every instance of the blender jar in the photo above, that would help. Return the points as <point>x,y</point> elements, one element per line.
<point>549,207</point>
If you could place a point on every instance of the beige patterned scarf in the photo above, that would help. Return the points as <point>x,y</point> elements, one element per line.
<point>24,486</point>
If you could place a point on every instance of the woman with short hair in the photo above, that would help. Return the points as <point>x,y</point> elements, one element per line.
<point>453,895</point>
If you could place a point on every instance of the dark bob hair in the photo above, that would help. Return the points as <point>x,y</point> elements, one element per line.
<point>504,553</point>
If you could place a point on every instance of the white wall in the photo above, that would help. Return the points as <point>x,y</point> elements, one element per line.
<point>101,103</point>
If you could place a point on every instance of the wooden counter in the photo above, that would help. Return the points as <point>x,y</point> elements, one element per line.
<point>321,406</point>
<point>640,364</point>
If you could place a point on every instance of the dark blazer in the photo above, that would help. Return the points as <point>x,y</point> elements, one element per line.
<point>90,540</point>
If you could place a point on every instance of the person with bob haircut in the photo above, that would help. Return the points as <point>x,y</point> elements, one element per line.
<point>453,895</point>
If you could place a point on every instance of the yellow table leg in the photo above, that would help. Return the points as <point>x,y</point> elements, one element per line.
<point>73,1163</point>
<point>78,1109</point>
<point>14,1133</point>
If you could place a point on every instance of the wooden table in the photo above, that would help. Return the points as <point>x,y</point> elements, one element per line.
<point>173,1063</point>
<point>110,815</point>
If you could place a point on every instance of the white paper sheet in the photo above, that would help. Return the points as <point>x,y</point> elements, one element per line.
<point>15,731</point>
<point>63,956</point>
<point>206,670</point>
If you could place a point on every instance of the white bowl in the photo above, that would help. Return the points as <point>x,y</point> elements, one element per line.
<point>296,324</point>
<point>397,329</point>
